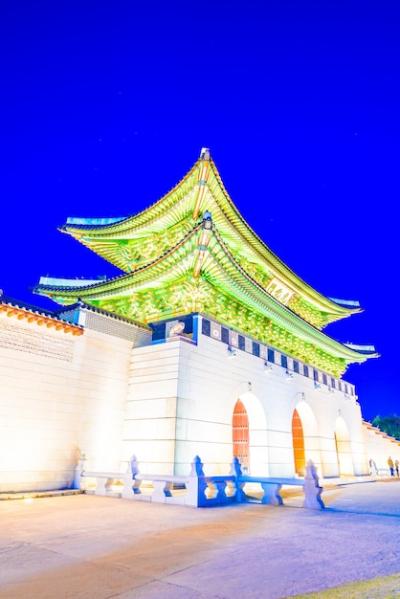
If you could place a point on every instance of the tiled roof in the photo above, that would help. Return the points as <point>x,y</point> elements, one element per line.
<point>25,311</point>
<point>85,306</point>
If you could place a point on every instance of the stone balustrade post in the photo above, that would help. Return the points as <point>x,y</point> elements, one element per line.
<point>221,494</point>
<point>196,485</point>
<point>271,494</point>
<point>101,485</point>
<point>78,483</point>
<point>162,489</point>
<point>236,467</point>
<point>127,490</point>
<point>312,490</point>
<point>197,467</point>
<point>131,482</point>
<point>237,472</point>
<point>158,491</point>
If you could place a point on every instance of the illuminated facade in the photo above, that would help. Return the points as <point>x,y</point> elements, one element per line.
<point>221,348</point>
<point>193,252</point>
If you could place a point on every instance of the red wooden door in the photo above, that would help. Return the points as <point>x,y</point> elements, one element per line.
<point>240,434</point>
<point>298,444</point>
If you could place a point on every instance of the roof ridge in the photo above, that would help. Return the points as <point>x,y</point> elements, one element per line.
<point>267,248</point>
<point>86,306</point>
<point>67,226</point>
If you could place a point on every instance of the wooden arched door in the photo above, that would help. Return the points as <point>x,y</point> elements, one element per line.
<point>240,434</point>
<point>298,444</point>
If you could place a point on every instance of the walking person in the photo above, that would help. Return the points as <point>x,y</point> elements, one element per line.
<point>391,466</point>
<point>396,466</point>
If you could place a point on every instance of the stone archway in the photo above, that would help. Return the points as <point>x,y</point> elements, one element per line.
<point>343,448</point>
<point>249,426</point>
<point>305,438</point>
<point>299,452</point>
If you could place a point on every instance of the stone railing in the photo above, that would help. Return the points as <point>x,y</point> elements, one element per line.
<point>107,483</point>
<point>198,489</point>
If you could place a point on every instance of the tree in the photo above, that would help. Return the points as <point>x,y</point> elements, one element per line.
<point>388,424</point>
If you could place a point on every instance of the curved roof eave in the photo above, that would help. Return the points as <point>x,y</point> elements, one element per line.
<point>127,219</point>
<point>340,310</point>
<point>272,256</point>
<point>292,319</point>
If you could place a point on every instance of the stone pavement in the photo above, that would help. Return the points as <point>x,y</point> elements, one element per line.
<point>85,547</point>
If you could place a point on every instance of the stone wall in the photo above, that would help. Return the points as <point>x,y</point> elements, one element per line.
<point>60,394</point>
<point>380,447</point>
<point>181,400</point>
<point>150,418</point>
<point>95,392</point>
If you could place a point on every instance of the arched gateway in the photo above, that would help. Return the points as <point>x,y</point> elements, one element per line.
<point>343,448</point>
<point>298,444</point>
<point>304,438</point>
<point>240,434</point>
<point>249,434</point>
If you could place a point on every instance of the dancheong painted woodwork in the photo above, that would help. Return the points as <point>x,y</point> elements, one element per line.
<point>192,251</point>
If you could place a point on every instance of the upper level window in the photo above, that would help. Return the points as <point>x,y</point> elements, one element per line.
<point>225,335</point>
<point>206,327</point>
<point>305,370</point>
<point>333,383</point>
<point>242,343</point>
<point>271,356</point>
<point>316,375</point>
<point>324,379</point>
<point>296,366</point>
<point>256,349</point>
<point>283,361</point>
<point>340,385</point>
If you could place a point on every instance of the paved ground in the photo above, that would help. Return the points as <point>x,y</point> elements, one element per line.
<point>93,547</point>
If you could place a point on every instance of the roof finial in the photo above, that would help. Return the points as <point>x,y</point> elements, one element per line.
<point>205,154</point>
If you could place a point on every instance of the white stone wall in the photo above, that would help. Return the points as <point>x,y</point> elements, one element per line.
<point>380,448</point>
<point>210,384</point>
<point>165,403</point>
<point>102,373</point>
<point>181,400</point>
<point>59,394</point>
<point>150,418</point>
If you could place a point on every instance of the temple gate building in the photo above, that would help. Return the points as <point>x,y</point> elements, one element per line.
<point>206,343</point>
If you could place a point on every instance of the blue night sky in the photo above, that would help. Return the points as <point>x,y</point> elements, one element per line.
<point>105,106</point>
